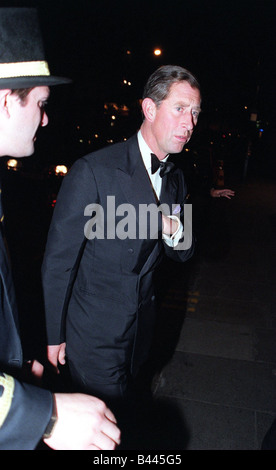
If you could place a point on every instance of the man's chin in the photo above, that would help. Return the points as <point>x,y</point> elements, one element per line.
<point>177,148</point>
<point>25,153</point>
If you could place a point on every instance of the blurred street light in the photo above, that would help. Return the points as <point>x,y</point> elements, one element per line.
<point>61,170</point>
<point>157,52</point>
<point>13,164</point>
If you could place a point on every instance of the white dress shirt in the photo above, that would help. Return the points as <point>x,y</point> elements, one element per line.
<point>156,182</point>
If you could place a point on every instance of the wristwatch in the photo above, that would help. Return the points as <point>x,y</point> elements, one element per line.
<point>50,426</point>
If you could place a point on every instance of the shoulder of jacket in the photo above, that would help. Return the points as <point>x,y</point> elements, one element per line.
<point>107,156</point>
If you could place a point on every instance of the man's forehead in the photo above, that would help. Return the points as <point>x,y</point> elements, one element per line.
<point>41,90</point>
<point>183,90</point>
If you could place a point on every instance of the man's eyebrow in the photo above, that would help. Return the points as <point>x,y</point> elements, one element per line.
<point>185,103</point>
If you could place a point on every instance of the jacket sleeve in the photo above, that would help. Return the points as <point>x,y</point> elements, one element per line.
<point>65,240</point>
<point>25,411</point>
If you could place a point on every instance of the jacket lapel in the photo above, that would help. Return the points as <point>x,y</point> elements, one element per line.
<point>169,190</point>
<point>135,183</point>
<point>134,179</point>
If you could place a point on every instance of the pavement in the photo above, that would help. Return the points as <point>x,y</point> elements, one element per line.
<point>215,350</point>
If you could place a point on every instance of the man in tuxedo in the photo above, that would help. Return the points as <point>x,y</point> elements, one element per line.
<point>28,413</point>
<point>98,271</point>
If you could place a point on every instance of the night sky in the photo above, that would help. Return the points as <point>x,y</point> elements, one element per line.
<point>228,45</point>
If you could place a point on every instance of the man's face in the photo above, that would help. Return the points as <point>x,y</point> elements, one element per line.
<point>25,118</point>
<point>175,119</point>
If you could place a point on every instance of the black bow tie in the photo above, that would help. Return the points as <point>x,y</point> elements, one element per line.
<point>165,167</point>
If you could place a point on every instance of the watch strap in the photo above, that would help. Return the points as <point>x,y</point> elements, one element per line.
<point>50,426</point>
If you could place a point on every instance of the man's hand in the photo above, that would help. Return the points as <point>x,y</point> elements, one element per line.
<point>84,423</point>
<point>170,225</point>
<point>228,193</point>
<point>56,355</point>
<point>32,371</point>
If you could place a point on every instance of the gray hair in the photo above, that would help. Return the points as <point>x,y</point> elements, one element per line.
<point>159,83</point>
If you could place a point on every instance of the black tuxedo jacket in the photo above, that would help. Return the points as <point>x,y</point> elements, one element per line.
<point>98,292</point>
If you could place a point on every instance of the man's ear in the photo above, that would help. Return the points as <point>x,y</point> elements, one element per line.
<point>5,102</point>
<point>149,109</point>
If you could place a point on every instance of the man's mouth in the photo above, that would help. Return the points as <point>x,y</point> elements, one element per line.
<point>181,138</point>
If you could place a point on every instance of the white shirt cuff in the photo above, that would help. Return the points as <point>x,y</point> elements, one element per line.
<point>172,240</point>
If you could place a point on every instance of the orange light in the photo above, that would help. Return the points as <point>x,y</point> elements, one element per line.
<point>13,164</point>
<point>157,52</point>
<point>61,170</point>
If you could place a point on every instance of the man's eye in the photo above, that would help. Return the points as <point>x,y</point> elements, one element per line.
<point>43,104</point>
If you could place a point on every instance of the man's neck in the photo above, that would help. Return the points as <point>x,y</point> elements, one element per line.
<point>150,140</point>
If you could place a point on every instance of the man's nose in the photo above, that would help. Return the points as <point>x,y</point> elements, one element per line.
<point>187,121</point>
<point>44,119</point>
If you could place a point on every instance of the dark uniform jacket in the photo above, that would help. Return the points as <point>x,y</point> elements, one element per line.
<point>24,410</point>
<point>10,343</point>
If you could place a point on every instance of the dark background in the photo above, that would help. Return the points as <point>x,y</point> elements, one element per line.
<point>229,46</point>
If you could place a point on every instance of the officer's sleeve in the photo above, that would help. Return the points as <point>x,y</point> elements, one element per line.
<point>25,411</point>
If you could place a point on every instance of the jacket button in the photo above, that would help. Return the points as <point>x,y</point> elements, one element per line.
<point>130,250</point>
